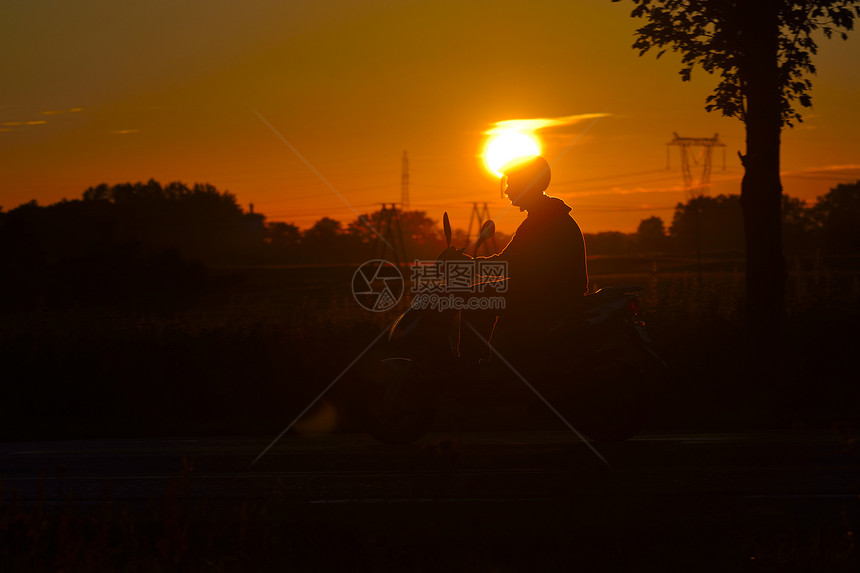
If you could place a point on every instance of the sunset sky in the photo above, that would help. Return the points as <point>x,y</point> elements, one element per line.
<point>305,108</point>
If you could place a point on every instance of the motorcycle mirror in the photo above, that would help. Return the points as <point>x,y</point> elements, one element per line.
<point>446,224</point>
<point>488,229</point>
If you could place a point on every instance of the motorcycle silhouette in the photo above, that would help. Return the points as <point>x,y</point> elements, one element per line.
<point>598,368</point>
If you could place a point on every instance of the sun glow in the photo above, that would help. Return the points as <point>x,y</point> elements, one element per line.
<point>506,146</point>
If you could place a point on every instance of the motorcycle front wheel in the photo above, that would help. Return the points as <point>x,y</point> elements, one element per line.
<point>399,407</point>
<point>614,401</point>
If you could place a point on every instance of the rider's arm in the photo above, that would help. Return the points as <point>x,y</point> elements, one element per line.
<point>512,251</point>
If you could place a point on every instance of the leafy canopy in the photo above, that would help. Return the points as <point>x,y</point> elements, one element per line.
<point>708,34</point>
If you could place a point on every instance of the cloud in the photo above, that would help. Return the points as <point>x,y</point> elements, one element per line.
<point>847,167</point>
<point>50,112</point>
<point>534,124</point>
<point>22,123</point>
<point>124,131</point>
<point>826,172</point>
<point>61,111</point>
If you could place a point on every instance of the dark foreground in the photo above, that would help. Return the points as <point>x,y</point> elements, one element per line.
<point>538,501</point>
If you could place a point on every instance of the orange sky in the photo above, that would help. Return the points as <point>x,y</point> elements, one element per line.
<point>110,92</point>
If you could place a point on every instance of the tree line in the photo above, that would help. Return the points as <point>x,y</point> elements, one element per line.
<point>139,242</point>
<point>142,241</point>
<point>716,225</point>
<point>151,243</point>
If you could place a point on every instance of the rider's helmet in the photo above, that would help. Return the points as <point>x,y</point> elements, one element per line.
<point>525,176</point>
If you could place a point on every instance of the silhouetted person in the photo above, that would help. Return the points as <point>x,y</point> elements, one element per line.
<point>545,258</point>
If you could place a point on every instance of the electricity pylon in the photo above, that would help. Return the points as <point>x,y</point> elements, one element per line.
<point>480,216</point>
<point>692,192</point>
<point>707,145</point>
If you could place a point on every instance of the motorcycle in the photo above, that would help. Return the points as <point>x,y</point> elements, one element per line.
<point>600,366</point>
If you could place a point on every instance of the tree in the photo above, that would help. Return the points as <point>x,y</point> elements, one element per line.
<point>838,217</point>
<point>799,232</point>
<point>607,243</point>
<point>421,235</point>
<point>651,235</point>
<point>324,232</point>
<point>283,235</point>
<point>714,223</point>
<point>203,223</point>
<point>284,241</point>
<point>762,51</point>
<point>327,242</point>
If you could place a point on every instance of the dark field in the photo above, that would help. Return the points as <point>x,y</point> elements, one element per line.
<point>250,353</point>
<point>260,343</point>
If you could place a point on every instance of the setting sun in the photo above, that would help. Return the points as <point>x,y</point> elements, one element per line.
<point>506,146</point>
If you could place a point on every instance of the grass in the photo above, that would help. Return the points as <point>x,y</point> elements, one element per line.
<point>259,348</point>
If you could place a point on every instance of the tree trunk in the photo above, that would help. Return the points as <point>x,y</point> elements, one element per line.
<point>761,189</point>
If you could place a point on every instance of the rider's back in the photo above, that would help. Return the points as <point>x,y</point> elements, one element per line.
<point>546,261</point>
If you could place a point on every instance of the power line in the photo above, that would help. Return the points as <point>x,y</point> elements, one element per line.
<point>310,211</point>
<point>404,181</point>
<point>612,186</point>
<point>605,177</point>
<point>613,209</point>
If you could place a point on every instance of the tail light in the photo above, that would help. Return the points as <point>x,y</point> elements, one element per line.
<point>631,309</point>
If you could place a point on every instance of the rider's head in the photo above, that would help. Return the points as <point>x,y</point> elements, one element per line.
<point>525,179</point>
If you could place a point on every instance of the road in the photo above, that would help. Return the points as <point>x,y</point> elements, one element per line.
<point>524,501</point>
<point>442,467</point>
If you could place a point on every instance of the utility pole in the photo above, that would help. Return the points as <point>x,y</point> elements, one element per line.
<point>691,192</point>
<point>390,235</point>
<point>404,182</point>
